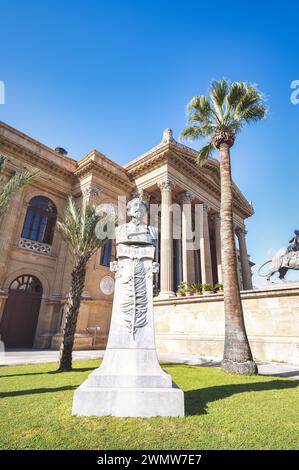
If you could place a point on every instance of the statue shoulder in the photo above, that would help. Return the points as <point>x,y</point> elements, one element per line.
<point>153,232</point>
<point>121,232</point>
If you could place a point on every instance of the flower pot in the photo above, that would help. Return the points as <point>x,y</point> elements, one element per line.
<point>180,294</point>
<point>189,294</point>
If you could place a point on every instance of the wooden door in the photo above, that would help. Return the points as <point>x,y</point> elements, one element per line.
<point>21,312</point>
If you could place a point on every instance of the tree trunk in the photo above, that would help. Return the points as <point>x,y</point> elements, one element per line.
<point>73,306</point>
<point>237,354</point>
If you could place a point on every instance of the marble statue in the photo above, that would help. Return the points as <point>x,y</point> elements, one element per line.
<point>283,260</point>
<point>294,242</point>
<point>130,381</point>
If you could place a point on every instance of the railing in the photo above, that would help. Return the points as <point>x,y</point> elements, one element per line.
<point>37,247</point>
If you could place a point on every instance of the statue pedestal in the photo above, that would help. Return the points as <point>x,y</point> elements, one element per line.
<point>130,381</point>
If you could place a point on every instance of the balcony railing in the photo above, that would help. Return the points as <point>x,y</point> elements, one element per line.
<point>37,247</point>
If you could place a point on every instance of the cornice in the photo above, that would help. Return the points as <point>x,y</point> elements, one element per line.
<point>90,166</point>
<point>34,159</point>
<point>184,158</point>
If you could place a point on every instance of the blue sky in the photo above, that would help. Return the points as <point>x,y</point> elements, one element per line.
<point>113,75</point>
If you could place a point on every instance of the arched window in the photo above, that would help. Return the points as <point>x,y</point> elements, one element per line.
<point>40,220</point>
<point>27,283</point>
<point>106,252</point>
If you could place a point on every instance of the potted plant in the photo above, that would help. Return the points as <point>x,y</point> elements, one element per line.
<point>189,291</point>
<point>218,288</point>
<point>207,289</point>
<point>196,288</point>
<point>199,288</point>
<point>193,289</point>
<point>181,289</point>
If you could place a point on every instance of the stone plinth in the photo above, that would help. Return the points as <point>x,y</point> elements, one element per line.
<point>130,381</point>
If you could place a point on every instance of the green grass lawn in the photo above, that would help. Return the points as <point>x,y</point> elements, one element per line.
<point>222,412</point>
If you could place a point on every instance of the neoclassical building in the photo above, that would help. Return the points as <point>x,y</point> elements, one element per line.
<point>35,265</point>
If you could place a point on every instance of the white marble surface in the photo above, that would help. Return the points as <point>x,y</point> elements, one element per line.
<point>130,381</point>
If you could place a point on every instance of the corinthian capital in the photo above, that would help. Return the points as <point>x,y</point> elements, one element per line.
<point>166,185</point>
<point>205,207</point>
<point>241,231</point>
<point>186,198</point>
<point>216,217</point>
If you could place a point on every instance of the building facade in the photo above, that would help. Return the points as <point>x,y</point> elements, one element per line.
<point>35,265</point>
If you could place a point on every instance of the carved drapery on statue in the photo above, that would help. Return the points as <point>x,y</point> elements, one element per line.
<point>132,275</point>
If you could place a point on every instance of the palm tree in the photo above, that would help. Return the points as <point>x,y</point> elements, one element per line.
<point>219,118</point>
<point>78,229</point>
<point>9,187</point>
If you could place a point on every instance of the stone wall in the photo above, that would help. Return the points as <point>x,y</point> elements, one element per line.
<point>195,325</point>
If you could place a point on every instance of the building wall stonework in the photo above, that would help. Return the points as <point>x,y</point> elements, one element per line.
<point>96,179</point>
<point>195,325</point>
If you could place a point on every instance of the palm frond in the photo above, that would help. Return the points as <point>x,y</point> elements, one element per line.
<point>13,185</point>
<point>204,154</point>
<point>254,113</point>
<point>201,105</point>
<point>197,132</point>
<point>78,229</point>
<point>195,116</point>
<point>236,92</point>
<point>230,107</point>
<point>218,93</point>
<point>249,98</point>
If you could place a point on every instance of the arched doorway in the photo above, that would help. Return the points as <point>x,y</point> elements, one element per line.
<point>21,312</point>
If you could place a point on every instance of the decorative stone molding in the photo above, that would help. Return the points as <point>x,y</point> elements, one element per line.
<point>167,136</point>
<point>37,247</point>
<point>205,207</point>
<point>186,197</point>
<point>166,185</point>
<point>107,285</point>
<point>91,192</point>
<point>240,231</point>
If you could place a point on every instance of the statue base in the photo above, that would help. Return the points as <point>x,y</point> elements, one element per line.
<point>128,402</point>
<point>129,383</point>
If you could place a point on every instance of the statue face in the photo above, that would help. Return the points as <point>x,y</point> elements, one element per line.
<point>136,209</point>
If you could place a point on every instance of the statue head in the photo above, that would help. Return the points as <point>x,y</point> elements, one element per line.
<point>296,232</point>
<point>137,209</point>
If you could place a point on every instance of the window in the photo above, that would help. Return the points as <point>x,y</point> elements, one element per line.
<point>27,283</point>
<point>106,253</point>
<point>40,220</point>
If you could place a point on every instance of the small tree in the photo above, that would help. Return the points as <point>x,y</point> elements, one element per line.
<point>219,118</point>
<point>9,187</point>
<point>78,229</point>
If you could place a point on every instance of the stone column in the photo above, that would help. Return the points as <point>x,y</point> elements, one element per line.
<point>205,247</point>
<point>216,218</point>
<point>187,237</point>
<point>245,266</point>
<point>8,231</point>
<point>166,259</point>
